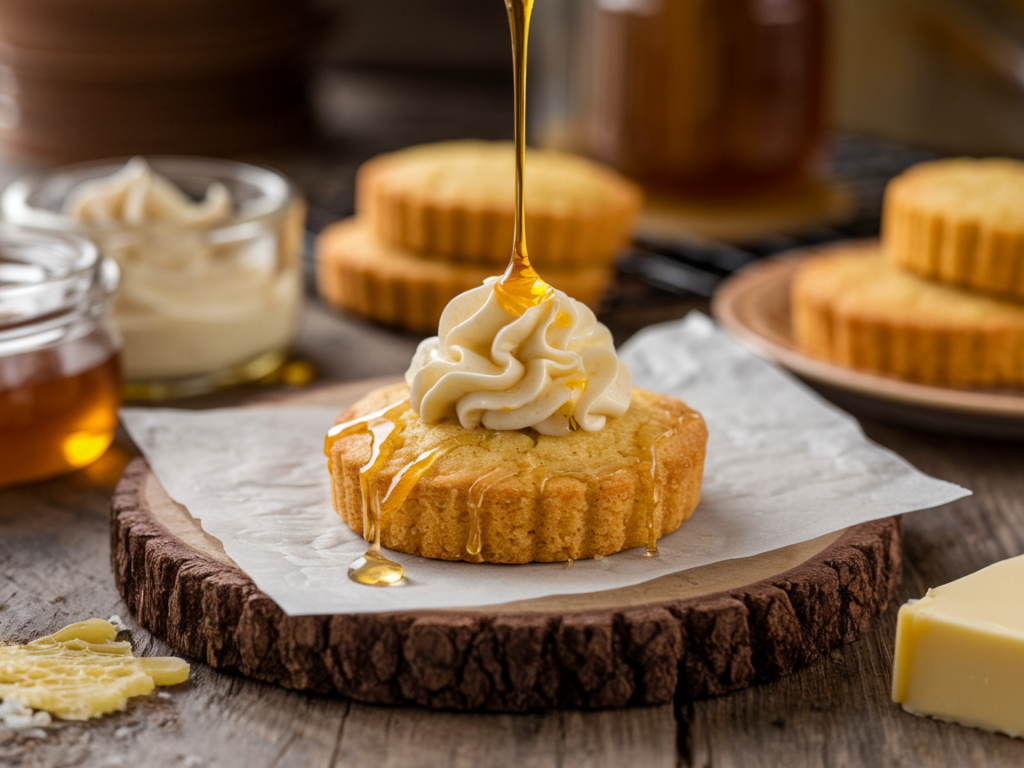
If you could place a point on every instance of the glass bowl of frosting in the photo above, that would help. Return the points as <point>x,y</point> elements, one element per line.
<point>210,256</point>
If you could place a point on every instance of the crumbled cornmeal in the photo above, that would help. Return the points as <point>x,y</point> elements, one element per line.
<point>81,672</point>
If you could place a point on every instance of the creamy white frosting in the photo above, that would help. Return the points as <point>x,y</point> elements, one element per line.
<point>189,303</point>
<point>488,367</point>
<point>136,195</point>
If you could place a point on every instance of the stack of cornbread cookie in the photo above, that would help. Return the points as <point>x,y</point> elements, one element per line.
<point>434,221</point>
<point>941,300</point>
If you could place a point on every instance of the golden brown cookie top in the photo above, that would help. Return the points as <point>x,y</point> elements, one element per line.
<point>989,190</point>
<point>478,175</point>
<point>624,442</point>
<point>858,281</point>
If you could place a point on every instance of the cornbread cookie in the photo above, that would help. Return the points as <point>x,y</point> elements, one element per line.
<point>456,201</point>
<point>853,307</point>
<point>530,497</point>
<point>357,273</point>
<point>959,221</point>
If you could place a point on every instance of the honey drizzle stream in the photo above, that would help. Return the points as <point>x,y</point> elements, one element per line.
<point>373,568</point>
<point>474,542</point>
<point>520,287</point>
<point>652,512</point>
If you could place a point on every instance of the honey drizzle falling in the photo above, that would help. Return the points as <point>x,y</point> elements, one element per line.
<point>652,512</point>
<point>520,287</point>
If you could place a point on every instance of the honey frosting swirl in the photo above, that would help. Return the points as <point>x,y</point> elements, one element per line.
<point>553,368</point>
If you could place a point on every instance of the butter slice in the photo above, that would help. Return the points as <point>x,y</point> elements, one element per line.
<point>960,651</point>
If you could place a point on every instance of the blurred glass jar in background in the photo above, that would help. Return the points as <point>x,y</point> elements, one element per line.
<point>205,301</point>
<point>60,374</point>
<point>721,98</point>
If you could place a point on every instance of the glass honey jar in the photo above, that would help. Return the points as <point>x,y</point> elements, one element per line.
<point>698,99</point>
<point>60,367</point>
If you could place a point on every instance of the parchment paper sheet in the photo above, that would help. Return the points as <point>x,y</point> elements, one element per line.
<point>783,467</point>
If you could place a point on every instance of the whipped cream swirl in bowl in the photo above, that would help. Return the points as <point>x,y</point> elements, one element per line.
<point>553,368</point>
<point>137,195</point>
<point>210,258</point>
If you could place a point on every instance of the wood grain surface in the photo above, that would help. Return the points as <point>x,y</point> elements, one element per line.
<point>55,568</point>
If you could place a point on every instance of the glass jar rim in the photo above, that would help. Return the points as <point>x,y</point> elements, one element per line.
<point>49,280</point>
<point>276,189</point>
<point>82,255</point>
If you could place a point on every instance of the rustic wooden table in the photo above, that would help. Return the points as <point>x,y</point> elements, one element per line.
<point>55,569</point>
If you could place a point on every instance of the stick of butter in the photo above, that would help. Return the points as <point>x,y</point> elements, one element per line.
<point>960,651</point>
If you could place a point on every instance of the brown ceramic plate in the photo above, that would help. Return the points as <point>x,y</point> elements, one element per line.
<point>754,306</point>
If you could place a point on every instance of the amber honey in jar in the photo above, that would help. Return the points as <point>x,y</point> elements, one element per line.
<point>60,373</point>
<point>694,98</point>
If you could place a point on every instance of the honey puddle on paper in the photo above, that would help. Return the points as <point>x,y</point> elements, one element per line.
<point>82,672</point>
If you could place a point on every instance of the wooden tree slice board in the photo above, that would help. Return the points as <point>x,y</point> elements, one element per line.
<point>699,633</point>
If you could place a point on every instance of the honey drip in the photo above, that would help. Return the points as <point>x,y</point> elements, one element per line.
<point>520,287</point>
<point>590,476</point>
<point>587,475</point>
<point>477,491</point>
<point>407,477</point>
<point>652,512</point>
<point>373,568</point>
